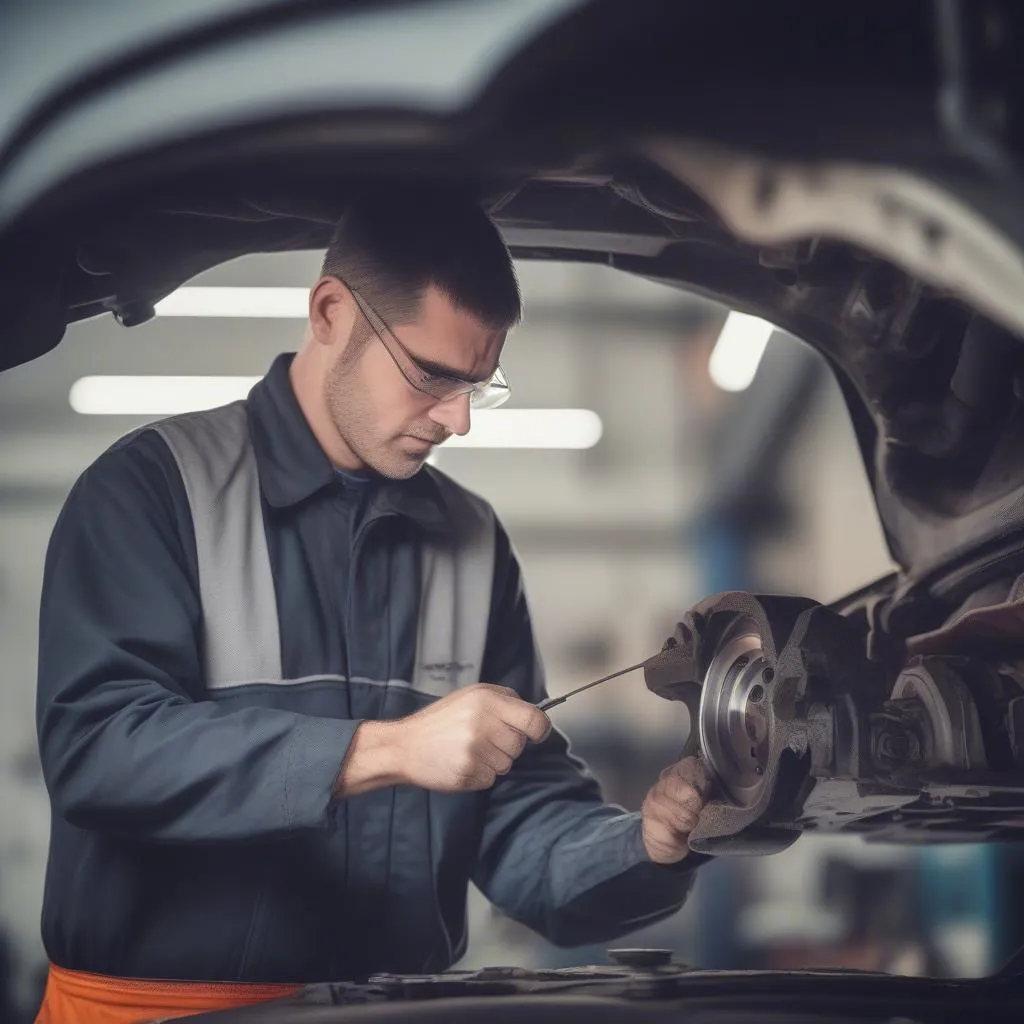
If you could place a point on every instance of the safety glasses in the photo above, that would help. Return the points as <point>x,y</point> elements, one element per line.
<point>485,394</point>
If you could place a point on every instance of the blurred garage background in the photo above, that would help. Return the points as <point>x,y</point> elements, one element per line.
<point>675,451</point>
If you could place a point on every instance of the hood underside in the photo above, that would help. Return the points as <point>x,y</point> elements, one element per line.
<point>833,170</point>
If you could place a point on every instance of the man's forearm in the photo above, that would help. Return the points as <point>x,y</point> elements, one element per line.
<point>373,760</point>
<point>161,770</point>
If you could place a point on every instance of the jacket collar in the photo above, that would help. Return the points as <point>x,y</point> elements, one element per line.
<point>293,467</point>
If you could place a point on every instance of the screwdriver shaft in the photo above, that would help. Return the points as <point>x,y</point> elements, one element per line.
<point>551,702</point>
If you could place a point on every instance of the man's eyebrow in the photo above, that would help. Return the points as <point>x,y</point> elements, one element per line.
<point>440,370</point>
<point>426,365</point>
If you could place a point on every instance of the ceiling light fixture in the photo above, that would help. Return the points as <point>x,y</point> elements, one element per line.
<point>150,397</point>
<point>263,303</point>
<point>738,351</point>
<point>531,428</point>
<point>153,396</point>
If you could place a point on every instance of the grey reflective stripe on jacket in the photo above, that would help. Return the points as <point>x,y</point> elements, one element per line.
<point>215,457</point>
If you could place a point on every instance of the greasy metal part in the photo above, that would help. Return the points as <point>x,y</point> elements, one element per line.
<point>898,735</point>
<point>785,685</point>
<point>953,736</point>
<point>805,650</point>
<point>989,619</point>
<point>847,805</point>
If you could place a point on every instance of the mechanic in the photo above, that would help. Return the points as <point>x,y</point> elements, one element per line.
<point>268,751</point>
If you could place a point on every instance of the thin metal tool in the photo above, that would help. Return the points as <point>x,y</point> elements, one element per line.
<point>551,702</point>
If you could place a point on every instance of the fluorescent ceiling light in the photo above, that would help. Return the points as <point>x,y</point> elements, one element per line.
<point>531,428</point>
<point>155,396</point>
<point>292,303</point>
<point>738,351</point>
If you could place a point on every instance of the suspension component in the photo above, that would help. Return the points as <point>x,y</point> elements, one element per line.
<point>950,733</point>
<point>770,686</point>
<point>801,731</point>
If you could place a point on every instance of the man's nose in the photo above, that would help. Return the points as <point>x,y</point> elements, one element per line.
<point>453,415</point>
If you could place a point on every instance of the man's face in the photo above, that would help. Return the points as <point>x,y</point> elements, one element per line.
<point>389,425</point>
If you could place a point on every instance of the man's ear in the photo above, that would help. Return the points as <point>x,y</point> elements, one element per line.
<point>332,312</point>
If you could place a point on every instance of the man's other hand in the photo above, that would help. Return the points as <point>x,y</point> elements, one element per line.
<point>671,809</point>
<point>459,743</point>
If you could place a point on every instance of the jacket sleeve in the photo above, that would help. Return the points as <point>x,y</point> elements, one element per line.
<point>554,856</point>
<point>127,743</point>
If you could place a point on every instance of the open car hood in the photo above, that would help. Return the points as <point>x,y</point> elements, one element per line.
<point>846,171</point>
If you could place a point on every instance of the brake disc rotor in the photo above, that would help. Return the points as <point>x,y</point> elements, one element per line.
<point>733,716</point>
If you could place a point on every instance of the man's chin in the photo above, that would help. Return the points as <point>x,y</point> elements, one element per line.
<point>406,472</point>
<point>399,465</point>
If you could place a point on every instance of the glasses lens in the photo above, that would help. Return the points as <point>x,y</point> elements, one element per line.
<point>488,399</point>
<point>494,393</point>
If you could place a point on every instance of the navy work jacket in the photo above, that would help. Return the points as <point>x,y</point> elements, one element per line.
<point>194,834</point>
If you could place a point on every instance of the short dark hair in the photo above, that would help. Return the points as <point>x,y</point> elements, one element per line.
<point>390,245</point>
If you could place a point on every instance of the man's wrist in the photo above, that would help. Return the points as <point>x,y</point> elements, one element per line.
<point>373,760</point>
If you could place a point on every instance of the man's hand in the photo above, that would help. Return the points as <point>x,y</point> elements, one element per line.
<point>462,742</point>
<point>671,810</point>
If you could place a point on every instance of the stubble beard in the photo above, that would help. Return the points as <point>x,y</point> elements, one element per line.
<point>353,417</point>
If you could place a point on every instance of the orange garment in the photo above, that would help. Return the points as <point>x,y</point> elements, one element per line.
<point>74,997</point>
